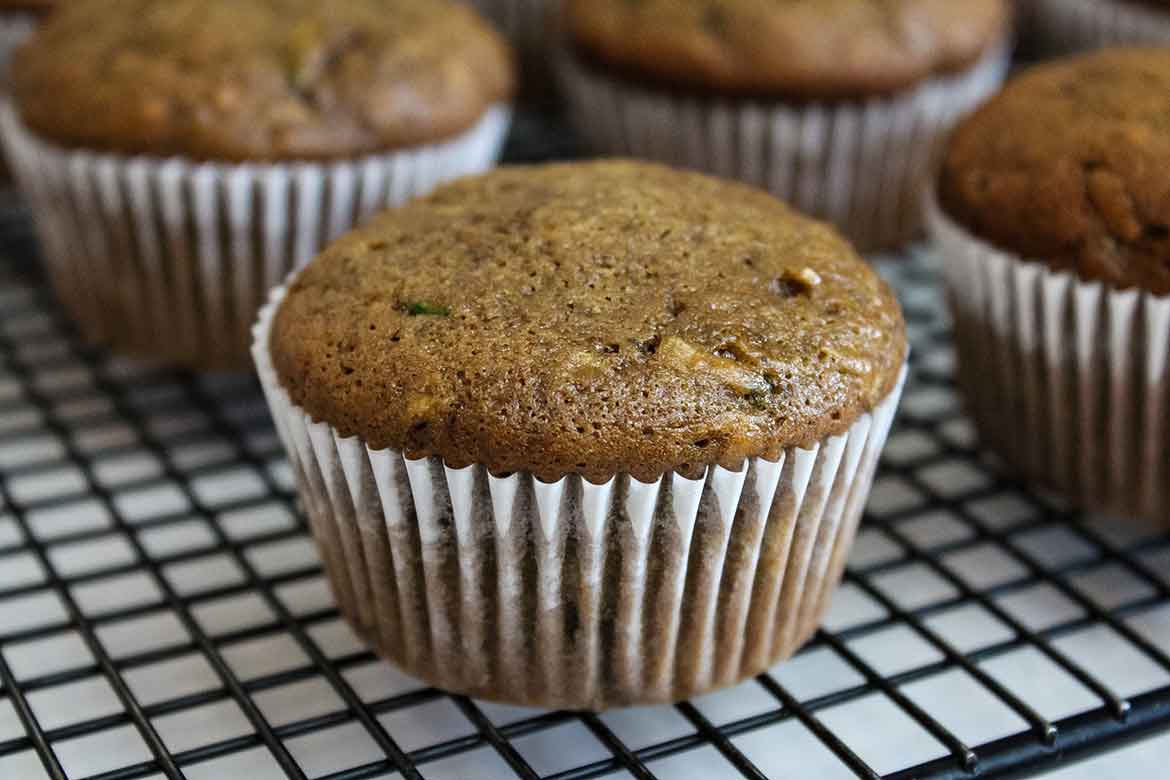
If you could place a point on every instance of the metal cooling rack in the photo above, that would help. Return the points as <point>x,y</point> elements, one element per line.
<point>163,612</point>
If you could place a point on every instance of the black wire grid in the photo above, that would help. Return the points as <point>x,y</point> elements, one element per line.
<point>163,612</point>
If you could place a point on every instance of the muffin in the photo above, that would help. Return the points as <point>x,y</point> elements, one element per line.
<point>180,157</point>
<point>835,106</point>
<point>1053,222</point>
<point>1063,26</point>
<point>584,435</point>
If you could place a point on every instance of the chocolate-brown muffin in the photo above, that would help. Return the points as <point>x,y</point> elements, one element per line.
<point>249,80</point>
<point>593,319</point>
<point>1054,225</point>
<point>835,106</point>
<point>1067,165</point>
<point>206,148</point>
<point>585,435</point>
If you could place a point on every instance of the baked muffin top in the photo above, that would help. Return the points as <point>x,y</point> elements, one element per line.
<point>259,79</point>
<point>589,318</point>
<point>1068,165</point>
<point>791,48</point>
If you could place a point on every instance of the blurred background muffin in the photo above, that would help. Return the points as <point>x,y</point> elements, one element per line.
<point>1064,26</point>
<point>654,399</point>
<point>180,157</point>
<point>1054,228</point>
<point>835,106</point>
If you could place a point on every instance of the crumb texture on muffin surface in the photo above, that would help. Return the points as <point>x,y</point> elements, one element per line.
<point>259,79</point>
<point>796,48</point>
<point>589,318</point>
<point>1068,166</point>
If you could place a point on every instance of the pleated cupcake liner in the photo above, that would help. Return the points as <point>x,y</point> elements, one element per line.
<point>525,22</point>
<point>1064,26</point>
<point>862,165</point>
<point>1067,380</point>
<point>169,260</point>
<point>570,594</point>
<point>15,29</point>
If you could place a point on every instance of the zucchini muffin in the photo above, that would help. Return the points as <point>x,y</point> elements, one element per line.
<point>836,106</point>
<point>1063,26</point>
<point>585,435</point>
<point>182,156</point>
<point>1054,224</point>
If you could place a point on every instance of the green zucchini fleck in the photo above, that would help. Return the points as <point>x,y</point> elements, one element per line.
<point>423,309</point>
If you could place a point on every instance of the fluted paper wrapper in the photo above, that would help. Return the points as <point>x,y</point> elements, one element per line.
<point>570,594</point>
<point>525,22</point>
<point>1067,380</point>
<point>862,165</point>
<point>15,29</point>
<point>169,260</point>
<point>1063,26</point>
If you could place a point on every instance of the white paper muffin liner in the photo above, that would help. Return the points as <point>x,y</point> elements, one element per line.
<point>570,594</point>
<point>862,165</point>
<point>1063,26</point>
<point>169,260</point>
<point>15,29</point>
<point>1067,380</point>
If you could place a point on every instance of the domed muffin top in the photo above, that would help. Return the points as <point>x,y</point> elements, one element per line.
<point>793,48</point>
<point>589,318</point>
<point>1068,166</point>
<point>258,79</point>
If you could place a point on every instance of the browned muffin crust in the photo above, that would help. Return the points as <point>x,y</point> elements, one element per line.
<point>794,48</point>
<point>591,318</point>
<point>259,79</point>
<point>1068,165</point>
